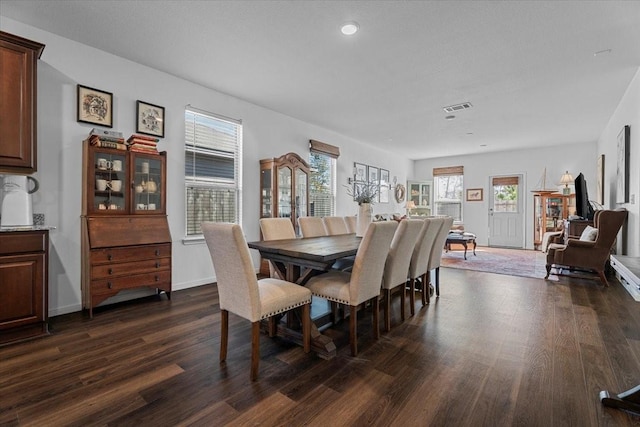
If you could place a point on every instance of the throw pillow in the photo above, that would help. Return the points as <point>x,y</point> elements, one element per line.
<point>589,234</point>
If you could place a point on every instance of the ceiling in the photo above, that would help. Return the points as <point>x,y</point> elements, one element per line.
<point>529,69</point>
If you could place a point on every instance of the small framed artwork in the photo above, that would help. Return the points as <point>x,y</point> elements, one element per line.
<point>95,106</point>
<point>474,194</point>
<point>373,178</point>
<point>150,119</point>
<point>622,173</point>
<point>359,172</point>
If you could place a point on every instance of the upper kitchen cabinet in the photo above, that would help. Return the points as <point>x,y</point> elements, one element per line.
<point>18,106</point>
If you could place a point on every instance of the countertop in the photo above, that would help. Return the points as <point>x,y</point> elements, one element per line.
<point>8,229</point>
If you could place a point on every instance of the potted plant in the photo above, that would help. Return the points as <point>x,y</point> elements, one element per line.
<point>365,194</point>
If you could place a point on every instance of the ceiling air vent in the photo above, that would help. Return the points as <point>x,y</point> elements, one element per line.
<point>457,107</point>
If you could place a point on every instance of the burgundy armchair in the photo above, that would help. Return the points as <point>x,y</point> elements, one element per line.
<point>591,255</point>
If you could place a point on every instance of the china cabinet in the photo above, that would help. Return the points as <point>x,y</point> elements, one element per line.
<point>549,211</point>
<point>24,260</point>
<point>284,188</point>
<point>126,241</point>
<point>420,193</point>
<point>18,90</point>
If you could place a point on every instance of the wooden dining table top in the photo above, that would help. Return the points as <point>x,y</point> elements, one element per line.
<point>312,249</point>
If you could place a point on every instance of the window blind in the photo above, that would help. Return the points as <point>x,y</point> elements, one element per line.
<point>213,158</point>
<point>450,170</point>
<point>505,180</point>
<point>324,148</point>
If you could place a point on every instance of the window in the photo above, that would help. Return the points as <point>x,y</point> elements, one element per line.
<point>448,184</point>
<point>322,180</point>
<point>213,154</point>
<point>505,194</point>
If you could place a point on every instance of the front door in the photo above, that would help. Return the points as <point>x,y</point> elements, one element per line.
<point>506,213</point>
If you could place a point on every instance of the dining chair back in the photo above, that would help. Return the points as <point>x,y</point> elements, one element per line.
<point>435,258</point>
<point>363,283</point>
<point>335,225</point>
<point>312,226</point>
<point>352,223</point>
<point>418,267</point>
<point>396,267</point>
<point>276,229</point>
<point>241,293</point>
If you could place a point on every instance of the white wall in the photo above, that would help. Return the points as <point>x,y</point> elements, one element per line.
<point>66,63</point>
<point>627,113</point>
<point>574,158</point>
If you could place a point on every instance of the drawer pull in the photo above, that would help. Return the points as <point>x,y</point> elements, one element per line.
<point>111,271</point>
<point>157,264</point>
<point>157,252</point>
<point>109,285</point>
<point>109,257</point>
<point>157,279</point>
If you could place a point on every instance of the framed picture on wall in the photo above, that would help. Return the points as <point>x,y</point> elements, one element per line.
<point>474,194</point>
<point>359,172</point>
<point>385,186</point>
<point>150,119</point>
<point>95,106</point>
<point>373,178</point>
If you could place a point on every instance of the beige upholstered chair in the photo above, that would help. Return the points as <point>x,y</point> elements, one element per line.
<point>587,253</point>
<point>241,293</point>
<point>363,283</point>
<point>312,226</point>
<point>352,223</point>
<point>276,229</point>
<point>436,256</point>
<point>418,267</point>
<point>396,267</point>
<point>335,225</point>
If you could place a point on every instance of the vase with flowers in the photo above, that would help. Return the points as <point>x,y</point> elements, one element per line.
<point>365,194</point>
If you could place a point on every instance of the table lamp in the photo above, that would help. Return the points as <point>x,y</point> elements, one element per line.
<point>566,180</point>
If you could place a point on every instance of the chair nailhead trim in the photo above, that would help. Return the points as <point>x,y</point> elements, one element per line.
<point>266,316</point>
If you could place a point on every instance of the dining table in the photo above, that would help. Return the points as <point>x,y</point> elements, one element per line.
<point>297,260</point>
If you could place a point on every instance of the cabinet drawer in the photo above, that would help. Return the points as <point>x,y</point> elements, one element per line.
<point>128,268</point>
<point>130,253</point>
<point>111,285</point>
<point>23,242</point>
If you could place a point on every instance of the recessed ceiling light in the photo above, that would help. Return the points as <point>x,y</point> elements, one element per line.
<point>450,117</point>
<point>469,133</point>
<point>349,28</point>
<point>483,145</point>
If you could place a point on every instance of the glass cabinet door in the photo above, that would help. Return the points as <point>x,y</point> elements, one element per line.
<point>265,188</point>
<point>284,192</point>
<point>147,184</point>
<point>110,188</point>
<point>301,194</point>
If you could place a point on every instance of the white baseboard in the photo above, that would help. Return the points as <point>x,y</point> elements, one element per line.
<point>630,281</point>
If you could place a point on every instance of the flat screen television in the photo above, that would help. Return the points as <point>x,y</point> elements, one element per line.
<point>583,208</point>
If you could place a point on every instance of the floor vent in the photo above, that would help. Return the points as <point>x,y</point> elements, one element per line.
<point>457,107</point>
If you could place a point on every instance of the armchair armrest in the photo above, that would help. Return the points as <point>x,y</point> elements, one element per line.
<point>575,243</point>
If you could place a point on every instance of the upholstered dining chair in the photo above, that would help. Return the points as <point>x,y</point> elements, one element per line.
<point>352,223</point>
<point>241,293</point>
<point>363,283</point>
<point>312,226</point>
<point>276,229</point>
<point>435,259</point>
<point>591,251</point>
<point>396,267</point>
<point>335,225</point>
<point>418,267</point>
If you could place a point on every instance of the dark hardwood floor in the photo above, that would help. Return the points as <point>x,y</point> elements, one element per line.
<point>493,350</point>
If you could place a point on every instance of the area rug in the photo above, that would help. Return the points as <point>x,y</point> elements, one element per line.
<point>514,262</point>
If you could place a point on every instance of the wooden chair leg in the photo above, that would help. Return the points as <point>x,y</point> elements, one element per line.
<point>353,329</point>
<point>376,311</point>
<point>603,278</point>
<point>426,292</point>
<point>272,326</point>
<point>402,302</point>
<point>334,312</point>
<point>224,334</point>
<point>387,309</point>
<point>412,296</point>
<point>255,349</point>
<point>306,327</point>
